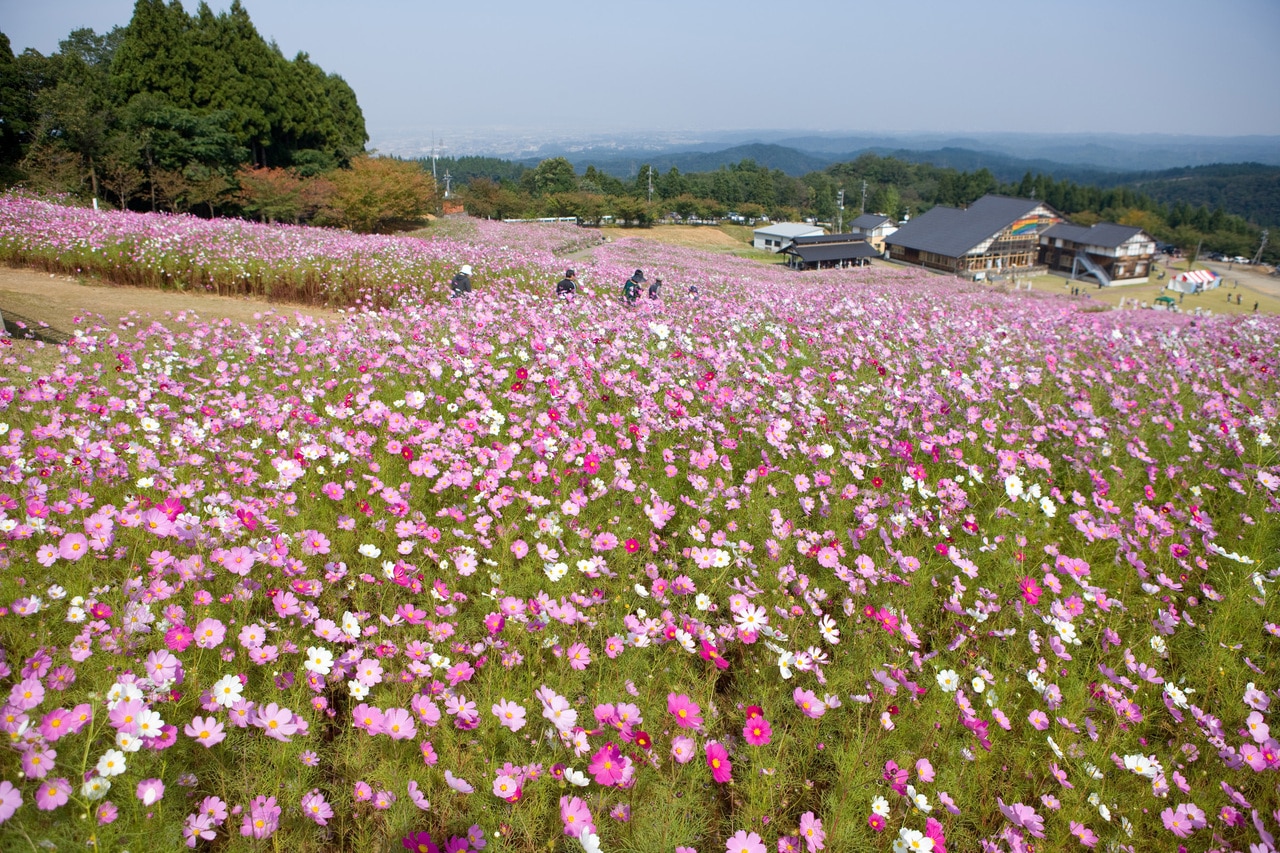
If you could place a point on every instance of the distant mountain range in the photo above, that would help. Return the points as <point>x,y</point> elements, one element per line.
<point>1084,159</point>
<point>1241,175</point>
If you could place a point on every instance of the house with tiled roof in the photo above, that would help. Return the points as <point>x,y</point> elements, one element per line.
<point>873,227</point>
<point>994,235</point>
<point>1107,252</point>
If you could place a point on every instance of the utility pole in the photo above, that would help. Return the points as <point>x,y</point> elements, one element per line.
<point>1258,256</point>
<point>433,156</point>
<point>840,212</point>
<point>863,209</point>
<point>650,185</point>
<point>447,179</point>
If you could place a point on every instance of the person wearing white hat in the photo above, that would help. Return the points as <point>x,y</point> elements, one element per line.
<point>461,283</point>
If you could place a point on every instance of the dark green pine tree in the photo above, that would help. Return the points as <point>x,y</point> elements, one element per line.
<point>155,55</point>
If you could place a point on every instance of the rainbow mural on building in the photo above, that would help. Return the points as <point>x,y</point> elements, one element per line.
<point>1028,225</point>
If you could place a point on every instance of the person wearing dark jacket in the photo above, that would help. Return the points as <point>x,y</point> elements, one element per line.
<point>568,285</point>
<point>654,288</point>
<point>631,287</point>
<point>461,283</point>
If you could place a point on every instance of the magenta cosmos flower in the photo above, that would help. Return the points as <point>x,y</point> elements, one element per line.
<point>718,761</point>
<point>757,731</point>
<point>687,712</point>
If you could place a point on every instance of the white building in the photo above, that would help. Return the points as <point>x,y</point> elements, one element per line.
<point>774,238</point>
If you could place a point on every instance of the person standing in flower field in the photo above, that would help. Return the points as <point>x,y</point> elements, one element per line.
<point>568,285</point>
<point>461,283</point>
<point>631,287</point>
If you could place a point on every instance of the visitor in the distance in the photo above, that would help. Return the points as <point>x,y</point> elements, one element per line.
<point>461,283</point>
<point>568,285</point>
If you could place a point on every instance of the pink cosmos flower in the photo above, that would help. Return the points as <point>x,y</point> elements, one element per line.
<point>316,807</point>
<point>197,827</point>
<point>506,787</point>
<point>607,765</point>
<point>277,722</point>
<point>575,817</point>
<point>398,724</point>
<point>1024,816</point>
<point>150,791</point>
<point>1084,834</point>
<point>718,761</point>
<point>811,832</point>
<point>687,713</point>
<point>876,822</point>
<point>178,638</point>
<point>757,731</point>
<point>579,656</point>
<point>368,718</point>
<point>509,714</point>
<point>808,703</point>
<point>263,818</point>
<point>207,730</point>
<point>462,786</point>
<point>418,798</point>
<point>744,842</point>
<point>52,793</point>
<point>682,749</point>
<point>73,546</point>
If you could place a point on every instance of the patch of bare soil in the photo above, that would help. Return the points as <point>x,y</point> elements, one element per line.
<point>62,302</point>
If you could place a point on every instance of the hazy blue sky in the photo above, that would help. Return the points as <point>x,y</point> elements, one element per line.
<point>1128,66</point>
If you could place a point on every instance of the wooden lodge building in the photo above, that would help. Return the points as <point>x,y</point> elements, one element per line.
<point>828,251</point>
<point>992,236</point>
<point>1110,253</point>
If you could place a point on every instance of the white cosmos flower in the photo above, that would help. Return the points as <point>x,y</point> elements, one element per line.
<point>227,690</point>
<point>319,660</point>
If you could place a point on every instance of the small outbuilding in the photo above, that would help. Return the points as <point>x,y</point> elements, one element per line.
<point>776,237</point>
<point>829,251</point>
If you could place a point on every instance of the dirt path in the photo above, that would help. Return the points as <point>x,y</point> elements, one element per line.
<point>59,301</point>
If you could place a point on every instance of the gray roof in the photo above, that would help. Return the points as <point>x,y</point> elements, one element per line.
<point>788,229</point>
<point>1106,234</point>
<point>952,232</point>
<point>867,221</point>
<point>848,250</point>
<point>827,238</point>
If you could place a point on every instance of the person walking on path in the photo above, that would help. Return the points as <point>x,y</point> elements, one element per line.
<point>631,287</point>
<point>461,283</point>
<point>568,285</point>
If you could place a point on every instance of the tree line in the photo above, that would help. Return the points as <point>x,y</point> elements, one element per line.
<point>195,113</point>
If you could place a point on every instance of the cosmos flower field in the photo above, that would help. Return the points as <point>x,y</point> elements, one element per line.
<point>851,560</point>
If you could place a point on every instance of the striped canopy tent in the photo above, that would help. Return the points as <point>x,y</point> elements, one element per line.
<point>1194,281</point>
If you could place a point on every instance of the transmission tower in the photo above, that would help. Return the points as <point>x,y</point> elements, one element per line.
<point>447,181</point>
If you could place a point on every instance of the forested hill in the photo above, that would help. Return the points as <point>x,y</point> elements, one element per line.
<point>1251,190</point>
<point>1248,190</point>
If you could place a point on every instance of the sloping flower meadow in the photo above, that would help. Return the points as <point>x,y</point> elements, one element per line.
<point>853,560</point>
